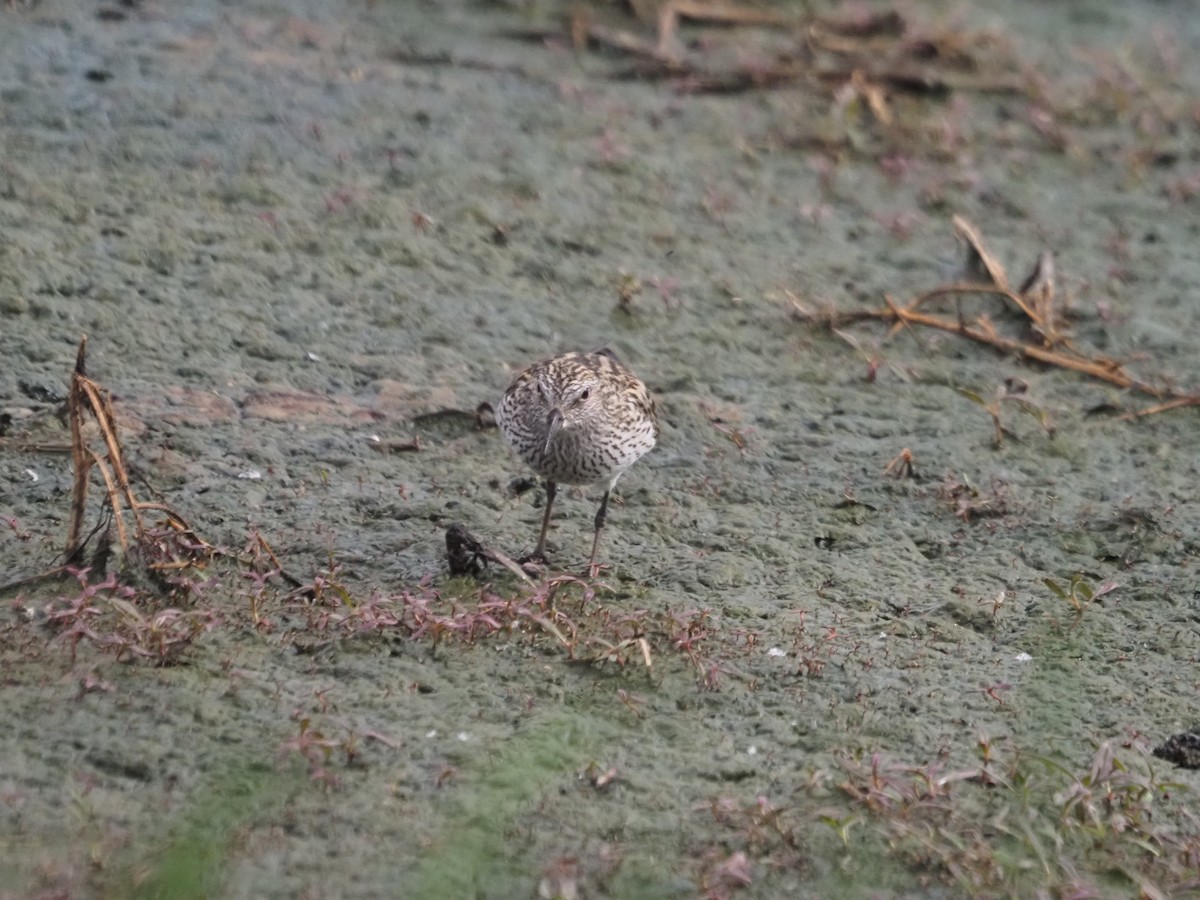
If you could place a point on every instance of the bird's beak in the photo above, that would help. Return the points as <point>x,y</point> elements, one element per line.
<point>554,424</point>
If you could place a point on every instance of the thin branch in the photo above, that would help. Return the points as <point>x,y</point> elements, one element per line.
<point>1035,301</point>
<point>112,495</point>
<point>1102,369</point>
<point>81,461</point>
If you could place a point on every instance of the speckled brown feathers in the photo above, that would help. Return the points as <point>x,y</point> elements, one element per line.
<point>579,418</point>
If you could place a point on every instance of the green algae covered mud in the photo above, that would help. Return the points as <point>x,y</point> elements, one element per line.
<point>307,241</point>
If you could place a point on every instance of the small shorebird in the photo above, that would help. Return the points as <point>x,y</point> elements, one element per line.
<point>579,418</point>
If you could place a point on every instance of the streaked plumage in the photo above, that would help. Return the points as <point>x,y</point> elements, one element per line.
<point>579,418</point>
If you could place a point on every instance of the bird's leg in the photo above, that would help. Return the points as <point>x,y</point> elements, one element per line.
<point>601,515</point>
<point>539,552</point>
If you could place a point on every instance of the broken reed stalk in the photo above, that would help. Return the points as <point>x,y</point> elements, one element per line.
<point>1101,368</point>
<point>105,418</point>
<point>176,546</point>
<point>88,397</point>
<point>1036,302</point>
<point>81,460</point>
<point>957,290</point>
<point>283,573</point>
<point>875,54</point>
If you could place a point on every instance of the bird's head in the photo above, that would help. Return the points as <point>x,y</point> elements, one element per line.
<point>570,405</point>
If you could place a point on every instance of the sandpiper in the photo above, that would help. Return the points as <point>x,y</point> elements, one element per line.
<point>578,418</point>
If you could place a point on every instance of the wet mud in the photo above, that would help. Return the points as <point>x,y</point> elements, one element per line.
<point>307,241</point>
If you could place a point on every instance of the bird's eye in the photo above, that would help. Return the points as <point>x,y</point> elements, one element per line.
<point>587,392</point>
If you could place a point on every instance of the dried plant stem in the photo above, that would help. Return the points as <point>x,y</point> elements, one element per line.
<point>89,398</point>
<point>958,289</point>
<point>1100,367</point>
<point>283,573</point>
<point>1036,303</point>
<point>1176,403</point>
<point>1035,300</point>
<point>82,461</point>
<point>122,536</point>
<point>106,420</point>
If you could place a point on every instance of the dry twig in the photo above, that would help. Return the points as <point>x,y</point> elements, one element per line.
<point>88,396</point>
<point>874,54</point>
<point>1036,301</point>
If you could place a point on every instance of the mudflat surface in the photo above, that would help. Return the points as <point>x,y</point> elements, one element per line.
<point>297,235</point>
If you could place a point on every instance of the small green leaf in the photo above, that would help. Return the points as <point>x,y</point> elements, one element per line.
<point>841,827</point>
<point>1055,587</point>
<point>972,396</point>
